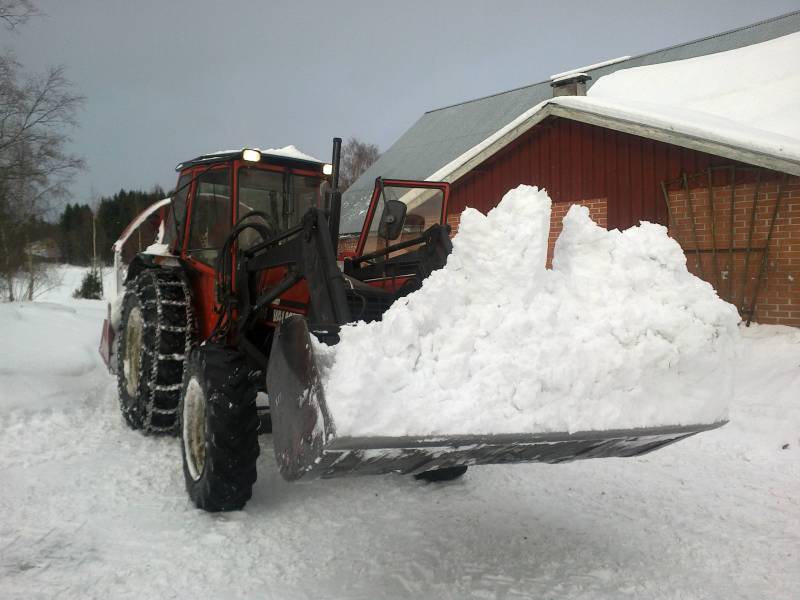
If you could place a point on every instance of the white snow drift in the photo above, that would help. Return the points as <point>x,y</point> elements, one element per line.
<point>618,334</point>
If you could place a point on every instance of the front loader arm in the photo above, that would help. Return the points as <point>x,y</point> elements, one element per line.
<point>306,254</point>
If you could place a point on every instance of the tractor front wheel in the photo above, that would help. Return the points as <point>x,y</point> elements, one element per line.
<point>219,429</point>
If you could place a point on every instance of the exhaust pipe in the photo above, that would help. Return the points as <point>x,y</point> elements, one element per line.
<point>335,196</point>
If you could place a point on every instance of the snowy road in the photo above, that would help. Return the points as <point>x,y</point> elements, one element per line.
<point>93,510</point>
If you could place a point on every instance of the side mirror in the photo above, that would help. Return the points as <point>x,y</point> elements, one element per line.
<point>391,223</point>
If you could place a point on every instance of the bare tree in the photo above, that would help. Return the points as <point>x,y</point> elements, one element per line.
<point>357,157</point>
<point>36,114</point>
<point>16,12</point>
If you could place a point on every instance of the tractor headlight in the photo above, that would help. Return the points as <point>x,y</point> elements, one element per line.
<point>327,169</point>
<point>251,155</point>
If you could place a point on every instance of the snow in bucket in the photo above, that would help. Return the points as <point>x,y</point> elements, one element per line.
<point>617,334</point>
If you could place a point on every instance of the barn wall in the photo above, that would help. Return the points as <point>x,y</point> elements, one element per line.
<point>580,163</point>
<point>575,161</point>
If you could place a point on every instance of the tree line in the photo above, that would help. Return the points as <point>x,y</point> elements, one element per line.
<point>80,233</point>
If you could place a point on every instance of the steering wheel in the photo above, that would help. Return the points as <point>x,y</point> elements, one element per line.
<point>266,226</point>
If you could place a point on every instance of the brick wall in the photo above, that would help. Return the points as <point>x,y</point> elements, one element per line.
<point>598,210</point>
<point>347,245</point>
<point>453,221</point>
<point>729,269</point>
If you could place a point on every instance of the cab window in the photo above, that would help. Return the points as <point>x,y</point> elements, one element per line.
<point>211,215</point>
<point>176,218</point>
<point>424,210</point>
<point>280,200</point>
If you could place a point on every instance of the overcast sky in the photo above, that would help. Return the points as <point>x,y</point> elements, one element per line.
<point>166,80</point>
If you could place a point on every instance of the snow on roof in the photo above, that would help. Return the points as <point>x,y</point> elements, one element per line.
<point>577,70</point>
<point>745,99</point>
<point>289,152</point>
<point>572,75</point>
<point>756,87</point>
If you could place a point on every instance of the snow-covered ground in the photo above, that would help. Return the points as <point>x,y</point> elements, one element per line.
<point>91,509</point>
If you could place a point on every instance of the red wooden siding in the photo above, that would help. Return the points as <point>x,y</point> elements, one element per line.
<point>619,177</point>
<point>575,162</point>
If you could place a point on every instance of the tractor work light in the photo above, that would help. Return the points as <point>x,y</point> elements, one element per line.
<point>251,155</point>
<point>327,169</point>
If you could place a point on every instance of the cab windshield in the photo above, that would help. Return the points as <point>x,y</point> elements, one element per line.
<point>280,198</point>
<point>424,209</point>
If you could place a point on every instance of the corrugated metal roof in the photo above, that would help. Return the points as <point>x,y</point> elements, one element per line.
<point>443,134</point>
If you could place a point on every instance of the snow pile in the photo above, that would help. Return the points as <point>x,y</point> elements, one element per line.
<point>618,334</point>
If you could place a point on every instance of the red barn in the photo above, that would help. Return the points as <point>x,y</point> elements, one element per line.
<point>724,180</point>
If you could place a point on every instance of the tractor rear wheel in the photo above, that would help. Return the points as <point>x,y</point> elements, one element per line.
<point>219,428</point>
<point>155,334</point>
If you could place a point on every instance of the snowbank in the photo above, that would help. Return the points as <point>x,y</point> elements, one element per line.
<point>38,371</point>
<point>49,348</point>
<point>618,334</point>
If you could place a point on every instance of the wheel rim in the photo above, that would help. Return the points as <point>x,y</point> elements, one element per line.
<point>132,358</point>
<point>194,428</point>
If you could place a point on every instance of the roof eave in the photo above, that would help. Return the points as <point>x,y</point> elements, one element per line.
<point>679,138</point>
<point>670,136</point>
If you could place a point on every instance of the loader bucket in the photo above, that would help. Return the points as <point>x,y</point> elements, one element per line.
<point>306,443</point>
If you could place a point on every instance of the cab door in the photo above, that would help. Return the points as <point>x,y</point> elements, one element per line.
<point>210,218</point>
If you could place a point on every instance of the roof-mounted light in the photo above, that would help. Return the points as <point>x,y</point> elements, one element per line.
<point>251,155</point>
<point>327,169</point>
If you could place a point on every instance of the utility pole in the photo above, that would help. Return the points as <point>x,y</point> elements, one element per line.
<point>94,237</point>
<point>97,272</point>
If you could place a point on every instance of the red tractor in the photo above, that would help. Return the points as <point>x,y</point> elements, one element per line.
<point>210,335</point>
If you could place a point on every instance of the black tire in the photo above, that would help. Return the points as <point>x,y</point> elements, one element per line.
<point>446,474</point>
<point>155,334</point>
<point>219,428</point>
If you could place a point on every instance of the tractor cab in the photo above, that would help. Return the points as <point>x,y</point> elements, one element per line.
<point>269,191</point>
<point>255,201</point>
<point>273,188</point>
